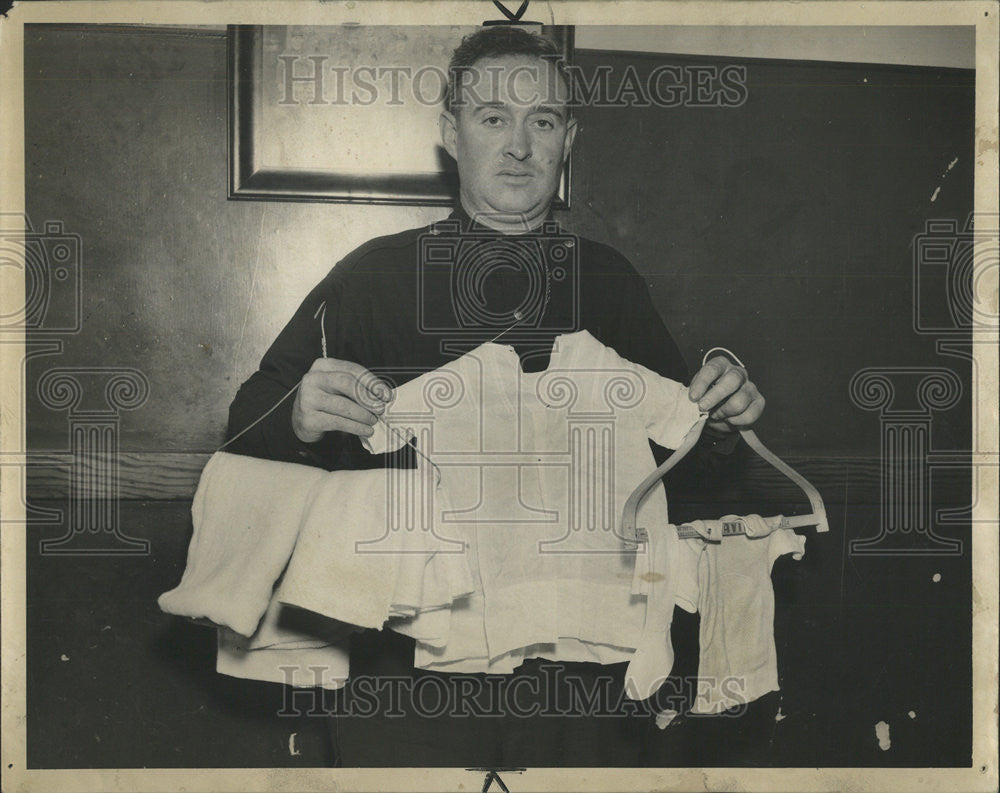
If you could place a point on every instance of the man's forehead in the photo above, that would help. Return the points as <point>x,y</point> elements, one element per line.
<point>515,79</point>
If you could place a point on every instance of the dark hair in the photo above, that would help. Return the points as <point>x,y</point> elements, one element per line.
<point>493,42</point>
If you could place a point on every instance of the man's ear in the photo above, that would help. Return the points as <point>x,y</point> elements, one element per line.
<point>571,128</point>
<point>449,133</point>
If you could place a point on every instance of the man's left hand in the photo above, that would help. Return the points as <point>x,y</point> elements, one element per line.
<point>724,390</point>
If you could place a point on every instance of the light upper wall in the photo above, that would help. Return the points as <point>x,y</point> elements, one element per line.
<point>950,47</point>
<point>912,46</point>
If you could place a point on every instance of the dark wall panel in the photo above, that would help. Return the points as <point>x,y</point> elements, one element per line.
<point>783,228</point>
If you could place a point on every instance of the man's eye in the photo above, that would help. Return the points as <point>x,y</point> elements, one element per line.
<point>545,123</point>
<point>492,121</point>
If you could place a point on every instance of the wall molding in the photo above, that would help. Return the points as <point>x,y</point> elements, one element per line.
<point>174,476</point>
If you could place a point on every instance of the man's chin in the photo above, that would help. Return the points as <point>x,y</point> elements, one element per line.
<point>517,203</point>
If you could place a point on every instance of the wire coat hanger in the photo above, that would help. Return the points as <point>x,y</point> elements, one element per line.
<point>721,528</point>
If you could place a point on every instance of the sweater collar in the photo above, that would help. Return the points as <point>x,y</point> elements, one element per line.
<point>471,225</point>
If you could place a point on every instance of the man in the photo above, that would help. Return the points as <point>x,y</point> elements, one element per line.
<point>380,318</point>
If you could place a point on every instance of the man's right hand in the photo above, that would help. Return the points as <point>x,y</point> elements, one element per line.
<point>337,395</point>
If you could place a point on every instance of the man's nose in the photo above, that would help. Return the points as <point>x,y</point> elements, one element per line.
<point>518,143</point>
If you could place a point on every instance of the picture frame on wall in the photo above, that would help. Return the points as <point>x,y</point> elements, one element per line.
<point>315,113</point>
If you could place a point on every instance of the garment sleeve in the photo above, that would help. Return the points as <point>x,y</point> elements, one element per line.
<point>260,416</point>
<point>662,404</point>
<point>670,414</point>
<point>785,541</point>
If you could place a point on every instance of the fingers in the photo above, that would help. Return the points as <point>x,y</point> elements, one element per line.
<point>351,380</point>
<point>743,418</point>
<point>715,382</point>
<point>314,425</point>
<point>338,395</point>
<point>707,375</point>
<point>736,403</point>
<point>316,400</point>
<point>724,391</point>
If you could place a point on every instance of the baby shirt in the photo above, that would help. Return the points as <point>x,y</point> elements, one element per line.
<point>537,468</point>
<point>290,646</point>
<point>729,583</point>
<point>246,514</point>
<point>325,666</point>
<point>515,554</point>
<point>368,549</point>
<point>359,548</point>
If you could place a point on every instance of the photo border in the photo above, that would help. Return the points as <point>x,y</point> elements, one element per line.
<point>981,776</point>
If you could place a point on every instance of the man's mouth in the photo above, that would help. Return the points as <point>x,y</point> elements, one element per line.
<point>509,172</point>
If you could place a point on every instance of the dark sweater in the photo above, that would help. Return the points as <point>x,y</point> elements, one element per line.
<point>408,303</point>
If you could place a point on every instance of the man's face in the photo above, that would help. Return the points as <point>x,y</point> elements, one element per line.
<point>510,136</point>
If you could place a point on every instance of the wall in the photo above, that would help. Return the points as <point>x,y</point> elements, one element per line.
<point>952,47</point>
<point>127,146</point>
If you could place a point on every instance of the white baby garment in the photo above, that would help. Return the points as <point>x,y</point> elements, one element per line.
<point>565,649</point>
<point>537,468</point>
<point>368,549</point>
<point>290,646</point>
<point>729,583</point>
<point>323,665</point>
<point>246,514</point>
<point>253,517</point>
<point>654,654</point>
